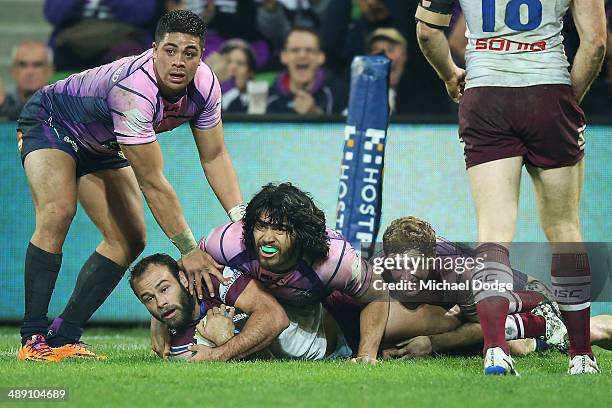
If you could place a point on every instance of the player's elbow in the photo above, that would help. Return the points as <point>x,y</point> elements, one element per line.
<point>210,156</point>
<point>596,45</point>
<point>280,319</point>
<point>275,317</point>
<point>600,48</point>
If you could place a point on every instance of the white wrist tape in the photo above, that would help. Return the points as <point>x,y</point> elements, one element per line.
<point>237,212</point>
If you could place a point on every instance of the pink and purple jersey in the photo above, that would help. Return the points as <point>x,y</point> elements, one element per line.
<point>120,103</point>
<point>342,270</point>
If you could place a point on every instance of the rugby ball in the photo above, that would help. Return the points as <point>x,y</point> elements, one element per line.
<point>199,339</point>
<point>181,341</point>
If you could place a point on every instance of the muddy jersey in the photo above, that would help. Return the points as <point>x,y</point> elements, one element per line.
<point>511,43</point>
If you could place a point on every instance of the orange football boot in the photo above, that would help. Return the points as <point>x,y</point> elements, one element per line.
<point>37,349</point>
<point>77,350</point>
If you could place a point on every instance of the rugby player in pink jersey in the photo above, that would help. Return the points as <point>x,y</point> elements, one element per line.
<point>92,138</point>
<point>519,104</point>
<point>283,243</point>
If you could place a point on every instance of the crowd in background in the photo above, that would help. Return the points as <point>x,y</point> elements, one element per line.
<point>271,56</point>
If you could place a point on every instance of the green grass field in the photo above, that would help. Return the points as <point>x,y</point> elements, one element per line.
<point>133,377</point>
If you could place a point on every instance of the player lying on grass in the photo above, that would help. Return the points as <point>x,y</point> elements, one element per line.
<point>283,243</point>
<point>310,335</point>
<point>316,336</point>
<point>288,249</point>
<point>415,237</point>
<point>164,290</point>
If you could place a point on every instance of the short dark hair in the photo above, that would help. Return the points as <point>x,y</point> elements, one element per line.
<point>156,259</point>
<point>285,204</point>
<point>302,29</point>
<point>180,21</point>
<point>409,233</point>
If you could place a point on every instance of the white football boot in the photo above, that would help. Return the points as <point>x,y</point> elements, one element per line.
<point>496,362</point>
<point>583,365</point>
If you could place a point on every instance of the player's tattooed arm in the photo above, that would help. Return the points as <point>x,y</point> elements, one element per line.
<point>267,319</point>
<point>590,20</point>
<point>467,334</point>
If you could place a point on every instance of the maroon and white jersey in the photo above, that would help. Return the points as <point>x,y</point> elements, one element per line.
<point>511,43</point>
<point>234,284</point>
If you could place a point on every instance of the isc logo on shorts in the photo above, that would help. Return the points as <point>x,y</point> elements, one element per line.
<point>581,139</point>
<point>19,140</point>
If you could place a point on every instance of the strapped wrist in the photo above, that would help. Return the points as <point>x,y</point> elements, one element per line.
<point>237,212</point>
<point>185,241</point>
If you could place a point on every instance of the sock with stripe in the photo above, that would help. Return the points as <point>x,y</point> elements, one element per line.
<point>524,326</point>
<point>527,300</point>
<point>571,280</point>
<point>492,310</point>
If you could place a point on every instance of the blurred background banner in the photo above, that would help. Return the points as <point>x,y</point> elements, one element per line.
<point>431,185</point>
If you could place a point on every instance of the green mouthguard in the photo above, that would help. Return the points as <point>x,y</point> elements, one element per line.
<point>269,249</point>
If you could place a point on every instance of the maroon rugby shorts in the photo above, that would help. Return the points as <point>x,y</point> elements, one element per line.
<point>541,123</point>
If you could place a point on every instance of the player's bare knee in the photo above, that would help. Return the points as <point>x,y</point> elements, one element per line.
<point>55,217</point>
<point>521,347</point>
<point>563,231</point>
<point>601,328</point>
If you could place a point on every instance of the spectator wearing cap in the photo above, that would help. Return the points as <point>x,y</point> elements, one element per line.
<point>305,87</point>
<point>32,67</point>
<point>345,37</point>
<point>393,44</point>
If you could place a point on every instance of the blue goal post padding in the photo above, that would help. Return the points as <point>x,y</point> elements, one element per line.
<point>361,172</point>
